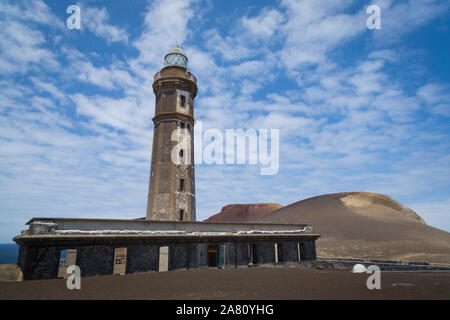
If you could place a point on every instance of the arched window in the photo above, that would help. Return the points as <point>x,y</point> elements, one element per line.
<point>182,101</point>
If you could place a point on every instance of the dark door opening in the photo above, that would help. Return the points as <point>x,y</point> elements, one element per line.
<point>253,254</point>
<point>279,252</point>
<point>212,256</point>
<point>221,256</point>
<point>302,251</point>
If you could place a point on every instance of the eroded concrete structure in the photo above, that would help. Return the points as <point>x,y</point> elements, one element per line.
<point>147,246</point>
<point>169,238</point>
<point>171,194</point>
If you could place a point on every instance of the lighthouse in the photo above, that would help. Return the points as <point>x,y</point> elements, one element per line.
<point>171,194</point>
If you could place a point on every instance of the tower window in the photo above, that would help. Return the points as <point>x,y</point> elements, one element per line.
<point>182,125</point>
<point>181,153</point>
<point>182,101</point>
<point>181,184</point>
<point>181,215</point>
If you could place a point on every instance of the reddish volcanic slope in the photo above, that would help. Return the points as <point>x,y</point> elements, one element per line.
<point>244,212</point>
<point>358,225</point>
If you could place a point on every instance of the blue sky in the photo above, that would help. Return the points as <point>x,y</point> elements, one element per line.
<point>357,109</point>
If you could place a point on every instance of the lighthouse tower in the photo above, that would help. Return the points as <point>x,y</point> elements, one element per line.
<point>171,194</point>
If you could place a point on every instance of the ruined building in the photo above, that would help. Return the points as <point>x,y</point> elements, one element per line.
<point>169,238</point>
<point>171,194</point>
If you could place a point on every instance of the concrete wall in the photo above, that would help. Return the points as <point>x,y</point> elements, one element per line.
<point>42,262</point>
<point>241,254</point>
<point>289,251</point>
<point>189,227</point>
<point>385,265</point>
<point>142,258</point>
<point>95,260</point>
<point>307,250</point>
<point>183,256</point>
<point>265,252</point>
<point>38,262</point>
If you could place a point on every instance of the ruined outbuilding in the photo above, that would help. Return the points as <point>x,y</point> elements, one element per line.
<point>169,238</point>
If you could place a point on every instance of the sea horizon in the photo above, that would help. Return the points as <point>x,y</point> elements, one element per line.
<point>9,253</point>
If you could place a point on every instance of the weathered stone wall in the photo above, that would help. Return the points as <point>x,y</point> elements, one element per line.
<point>202,255</point>
<point>142,258</point>
<point>385,265</point>
<point>230,255</point>
<point>95,260</point>
<point>39,263</point>
<point>265,252</point>
<point>182,256</point>
<point>166,200</point>
<point>307,250</point>
<point>39,257</point>
<point>241,253</point>
<point>290,251</point>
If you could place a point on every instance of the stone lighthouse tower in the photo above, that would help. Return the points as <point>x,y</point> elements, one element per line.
<point>171,194</point>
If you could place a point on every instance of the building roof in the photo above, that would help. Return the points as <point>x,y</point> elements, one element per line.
<point>112,226</point>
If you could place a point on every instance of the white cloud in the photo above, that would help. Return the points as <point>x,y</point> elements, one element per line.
<point>165,23</point>
<point>34,11</point>
<point>403,17</point>
<point>437,97</point>
<point>96,21</point>
<point>264,25</point>
<point>22,49</point>
<point>48,87</point>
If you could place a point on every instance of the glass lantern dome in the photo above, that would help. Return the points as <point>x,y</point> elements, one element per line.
<point>176,57</point>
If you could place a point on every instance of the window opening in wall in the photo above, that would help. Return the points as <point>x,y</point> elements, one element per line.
<point>67,257</point>
<point>120,261</point>
<point>301,251</point>
<point>182,101</point>
<point>181,215</point>
<point>221,256</point>
<point>181,184</point>
<point>252,254</point>
<point>163,259</point>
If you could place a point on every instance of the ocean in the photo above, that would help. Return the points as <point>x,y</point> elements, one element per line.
<point>8,253</point>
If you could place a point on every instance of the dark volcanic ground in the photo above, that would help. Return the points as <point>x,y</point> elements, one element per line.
<point>229,284</point>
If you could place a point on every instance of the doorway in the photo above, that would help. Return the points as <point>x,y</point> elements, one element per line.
<point>301,251</point>
<point>120,261</point>
<point>252,254</point>
<point>163,259</point>
<point>221,256</point>
<point>67,257</point>
<point>212,256</point>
